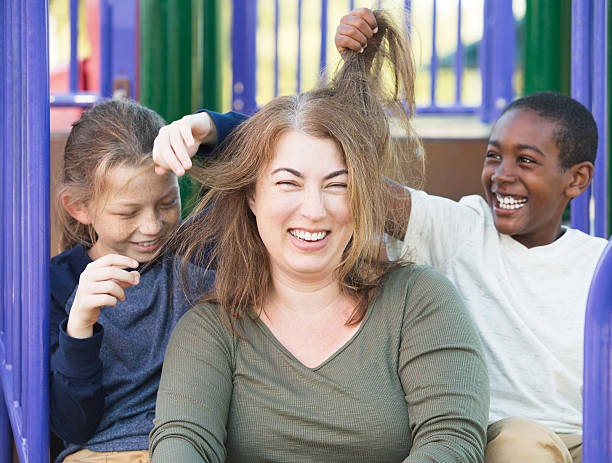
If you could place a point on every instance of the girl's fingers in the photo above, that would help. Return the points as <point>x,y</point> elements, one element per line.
<point>101,300</point>
<point>113,273</point>
<point>185,129</point>
<point>111,288</point>
<point>179,147</point>
<point>115,260</point>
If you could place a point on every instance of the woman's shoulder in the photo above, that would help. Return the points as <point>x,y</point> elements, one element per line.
<point>205,317</point>
<point>410,275</point>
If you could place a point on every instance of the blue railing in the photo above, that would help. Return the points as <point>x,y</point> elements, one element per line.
<point>497,56</point>
<point>24,222</point>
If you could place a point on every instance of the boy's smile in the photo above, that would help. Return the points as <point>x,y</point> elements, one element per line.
<point>523,180</point>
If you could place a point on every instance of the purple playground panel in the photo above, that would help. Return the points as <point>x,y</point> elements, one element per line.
<point>24,251</point>
<point>597,401</point>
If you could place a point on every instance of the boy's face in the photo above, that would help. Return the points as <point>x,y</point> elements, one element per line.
<point>523,181</point>
<point>137,211</point>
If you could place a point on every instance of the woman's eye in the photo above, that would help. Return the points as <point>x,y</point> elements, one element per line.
<point>337,185</point>
<point>286,183</point>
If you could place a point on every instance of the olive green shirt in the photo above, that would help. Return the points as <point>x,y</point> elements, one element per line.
<point>410,385</point>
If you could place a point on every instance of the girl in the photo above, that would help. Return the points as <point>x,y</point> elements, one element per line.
<point>311,347</point>
<point>110,316</point>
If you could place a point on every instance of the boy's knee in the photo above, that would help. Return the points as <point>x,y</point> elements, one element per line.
<point>517,439</point>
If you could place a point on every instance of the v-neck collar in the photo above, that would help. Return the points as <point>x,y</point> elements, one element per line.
<point>270,335</point>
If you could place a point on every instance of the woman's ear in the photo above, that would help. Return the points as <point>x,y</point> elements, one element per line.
<point>251,200</point>
<point>77,209</point>
<point>581,175</point>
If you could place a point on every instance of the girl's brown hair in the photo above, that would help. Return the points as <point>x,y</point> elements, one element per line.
<point>353,109</point>
<point>110,134</point>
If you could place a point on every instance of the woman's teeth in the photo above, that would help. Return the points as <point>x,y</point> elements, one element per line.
<point>508,202</point>
<point>307,236</point>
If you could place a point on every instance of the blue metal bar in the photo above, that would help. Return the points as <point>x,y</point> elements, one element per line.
<point>123,27</point>
<point>408,16</point>
<point>581,91</point>
<point>597,401</point>
<point>81,99</point>
<point>298,85</point>
<point>433,66</point>
<point>497,57</point>
<point>352,5</point>
<point>600,99</point>
<point>323,54</point>
<point>106,48</point>
<point>447,109</point>
<point>74,40</point>
<point>458,58</point>
<point>244,53</point>
<point>6,439</point>
<point>276,22</point>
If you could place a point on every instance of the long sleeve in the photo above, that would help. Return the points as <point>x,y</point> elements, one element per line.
<point>77,395</point>
<point>195,391</point>
<point>225,123</point>
<point>443,375</point>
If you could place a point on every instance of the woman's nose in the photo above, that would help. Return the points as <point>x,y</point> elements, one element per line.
<point>313,206</point>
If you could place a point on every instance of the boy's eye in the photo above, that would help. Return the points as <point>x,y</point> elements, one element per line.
<point>492,155</point>
<point>526,160</point>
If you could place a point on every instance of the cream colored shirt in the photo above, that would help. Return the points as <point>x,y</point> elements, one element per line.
<point>528,304</point>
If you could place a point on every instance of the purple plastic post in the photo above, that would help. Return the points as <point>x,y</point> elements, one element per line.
<point>581,91</point>
<point>298,72</point>
<point>276,22</point>
<point>433,67</point>
<point>352,5</point>
<point>244,54</point>
<point>36,182</point>
<point>497,58</point>
<point>597,380</point>
<point>600,98</point>
<point>74,50</point>
<point>408,16</point>
<point>6,439</point>
<point>323,54</point>
<point>458,58</point>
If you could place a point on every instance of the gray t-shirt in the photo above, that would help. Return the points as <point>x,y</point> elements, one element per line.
<point>411,382</point>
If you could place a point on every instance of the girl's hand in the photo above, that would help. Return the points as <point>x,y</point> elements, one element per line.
<point>354,30</point>
<point>101,284</point>
<point>177,142</point>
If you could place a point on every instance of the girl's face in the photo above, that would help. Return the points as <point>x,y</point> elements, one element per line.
<point>301,207</point>
<point>137,211</point>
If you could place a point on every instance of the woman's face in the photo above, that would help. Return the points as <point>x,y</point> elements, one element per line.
<point>301,206</point>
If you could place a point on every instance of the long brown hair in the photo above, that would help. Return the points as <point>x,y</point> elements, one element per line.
<point>353,109</point>
<point>110,134</point>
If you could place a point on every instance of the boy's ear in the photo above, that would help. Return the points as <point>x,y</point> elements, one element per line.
<point>581,175</point>
<point>76,209</point>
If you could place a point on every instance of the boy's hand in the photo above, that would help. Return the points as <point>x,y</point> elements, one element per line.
<point>354,30</point>
<point>177,142</point>
<point>101,284</point>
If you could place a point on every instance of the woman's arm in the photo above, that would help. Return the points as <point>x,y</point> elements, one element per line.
<point>195,391</point>
<point>443,374</point>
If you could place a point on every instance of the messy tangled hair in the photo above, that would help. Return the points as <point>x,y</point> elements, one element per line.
<point>353,110</point>
<point>575,134</point>
<point>110,134</point>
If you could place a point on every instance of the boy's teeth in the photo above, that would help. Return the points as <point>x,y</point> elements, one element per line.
<point>307,236</point>
<point>508,202</point>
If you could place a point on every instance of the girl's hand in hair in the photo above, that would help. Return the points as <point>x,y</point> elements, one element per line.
<point>101,284</point>
<point>354,30</point>
<point>179,141</point>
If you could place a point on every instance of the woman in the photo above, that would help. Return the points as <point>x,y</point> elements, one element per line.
<point>311,347</point>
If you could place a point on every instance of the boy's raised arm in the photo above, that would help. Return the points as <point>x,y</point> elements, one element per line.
<point>398,199</point>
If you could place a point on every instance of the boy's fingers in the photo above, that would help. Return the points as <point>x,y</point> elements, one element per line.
<point>356,27</point>
<point>350,37</point>
<point>367,15</point>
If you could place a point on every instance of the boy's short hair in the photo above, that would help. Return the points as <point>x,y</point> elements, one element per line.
<point>576,132</point>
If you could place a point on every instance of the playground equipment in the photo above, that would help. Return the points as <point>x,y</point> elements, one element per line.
<point>24,192</point>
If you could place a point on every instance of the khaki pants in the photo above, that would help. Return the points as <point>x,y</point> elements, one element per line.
<point>519,440</point>
<point>87,456</point>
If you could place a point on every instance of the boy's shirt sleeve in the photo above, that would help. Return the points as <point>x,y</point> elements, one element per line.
<point>224,123</point>
<point>437,229</point>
